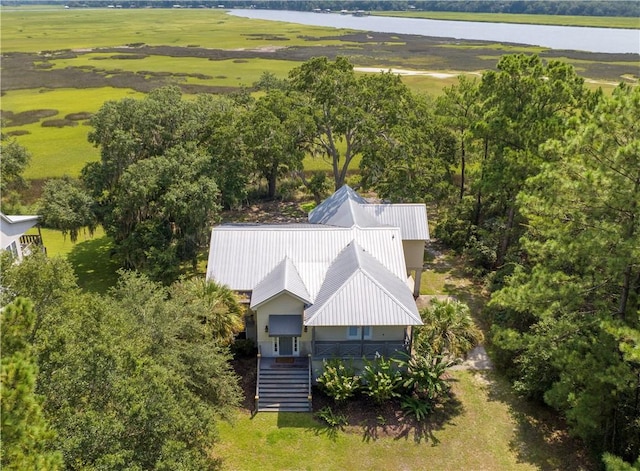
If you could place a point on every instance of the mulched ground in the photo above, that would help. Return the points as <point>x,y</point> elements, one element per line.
<point>364,416</point>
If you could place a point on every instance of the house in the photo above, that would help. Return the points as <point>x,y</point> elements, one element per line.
<point>13,238</point>
<point>337,287</point>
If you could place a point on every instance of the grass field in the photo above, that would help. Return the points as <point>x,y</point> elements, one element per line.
<point>201,50</point>
<point>489,429</point>
<point>559,20</point>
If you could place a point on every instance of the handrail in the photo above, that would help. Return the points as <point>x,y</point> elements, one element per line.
<point>309,396</point>
<point>256,398</point>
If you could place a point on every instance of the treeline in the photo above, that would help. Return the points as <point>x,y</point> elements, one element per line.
<point>618,8</point>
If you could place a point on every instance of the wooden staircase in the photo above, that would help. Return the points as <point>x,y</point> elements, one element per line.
<point>283,387</point>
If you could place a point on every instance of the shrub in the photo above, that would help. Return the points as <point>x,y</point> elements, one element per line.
<point>332,419</point>
<point>424,375</point>
<point>338,380</point>
<point>243,348</point>
<point>381,379</point>
<point>416,407</point>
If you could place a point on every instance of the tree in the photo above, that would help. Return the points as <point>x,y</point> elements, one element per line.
<point>26,434</point>
<point>15,160</point>
<point>411,158</point>
<point>216,306</point>
<point>159,156</point>
<point>459,106</point>
<point>66,206</point>
<point>273,132</point>
<point>568,319</point>
<point>347,111</point>
<point>133,380</point>
<point>448,330</point>
<point>524,103</point>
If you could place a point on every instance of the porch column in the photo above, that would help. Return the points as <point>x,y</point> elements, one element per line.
<point>416,286</point>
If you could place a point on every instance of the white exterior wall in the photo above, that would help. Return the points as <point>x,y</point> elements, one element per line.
<point>281,304</point>
<point>413,253</point>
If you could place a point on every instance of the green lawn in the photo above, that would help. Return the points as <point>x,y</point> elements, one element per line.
<point>487,429</point>
<point>89,255</point>
<point>561,20</point>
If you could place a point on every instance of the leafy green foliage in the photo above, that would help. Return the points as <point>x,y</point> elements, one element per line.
<point>338,380</point>
<point>133,379</point>
<point>448,330</point>
<point>26,434</point>
<point>332,419</point>
<point>381,379</point>
<point>66,206</point>
<point>15,159</point>
<point>424,375</point>
<point>418,408</point>
<point>568,318</point>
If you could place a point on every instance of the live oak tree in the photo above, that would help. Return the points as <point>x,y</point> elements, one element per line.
<point>14,161</point>
<point>167,165</point>
<point>347,111</point>
<point>65,205</point>
<point>273,130</point>
<point>410,157</point>
<point>568,320</point>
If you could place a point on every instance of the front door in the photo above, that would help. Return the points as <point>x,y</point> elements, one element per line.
<point>286,346</point>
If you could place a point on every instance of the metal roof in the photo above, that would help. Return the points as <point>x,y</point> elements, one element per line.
<point>283,278</point>
<point>325,211</point>
<point>346,208</point>
<point>359,290</point>
<point>241,256</point>
<point>410,218</point>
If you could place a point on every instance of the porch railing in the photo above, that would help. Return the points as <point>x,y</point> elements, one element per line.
<point>256,398</point>
<point>310,397</point>
<point>357,348</point>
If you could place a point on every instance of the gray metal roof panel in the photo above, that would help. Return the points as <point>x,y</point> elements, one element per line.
<point>326,210</point>
<point>283,278</point>
<point>359,290</point>
<point>241,256</point>
<point>410,218</point>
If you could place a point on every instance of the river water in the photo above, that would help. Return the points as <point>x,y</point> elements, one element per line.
<point>608,40</point>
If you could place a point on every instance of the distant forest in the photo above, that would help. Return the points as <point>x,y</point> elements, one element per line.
<point>533,7</point>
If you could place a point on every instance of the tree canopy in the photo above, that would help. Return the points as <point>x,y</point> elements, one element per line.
<point>130,380</point>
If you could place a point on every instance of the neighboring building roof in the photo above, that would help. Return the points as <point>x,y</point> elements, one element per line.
<point>283,278</point>
<point>12,227</point>
<point>359,290</point>
<point>410,218</point>
<point>241,256</point>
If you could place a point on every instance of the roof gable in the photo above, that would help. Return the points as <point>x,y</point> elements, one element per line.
<point>283,278</point>
<point>339,210</point>
<point>359,290</point>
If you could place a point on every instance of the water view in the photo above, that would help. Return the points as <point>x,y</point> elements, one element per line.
<point>607,40</point>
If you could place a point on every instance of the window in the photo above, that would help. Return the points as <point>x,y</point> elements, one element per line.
<point>295,344</point>
<point>355,332</point>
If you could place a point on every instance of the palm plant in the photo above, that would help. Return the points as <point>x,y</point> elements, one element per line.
<point>448,330</point>
<point>215,305</point>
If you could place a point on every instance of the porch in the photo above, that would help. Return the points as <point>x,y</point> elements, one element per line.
<point>358,348</point>
<point>30,243</point>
